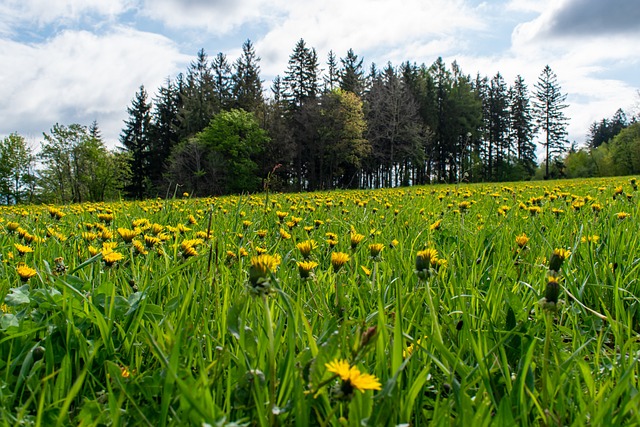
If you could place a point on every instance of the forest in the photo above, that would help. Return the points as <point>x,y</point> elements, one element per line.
<point>217,129</point>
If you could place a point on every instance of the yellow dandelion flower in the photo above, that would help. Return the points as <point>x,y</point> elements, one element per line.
<point>356,239</point>
<point>12,226</point>
<point>365,270</point>
<point>394,243</point>
<point>557,258</point>
<point>590,239</point>
<point>426,259</point>
<point>284,234</point>
<point>306,247</point>
<point>25,272</point>
<point>375,249</point>
<point>522,240</point>
<point>139,247</point>
<point>151,241</point>
<point>262,266</point>
<point>352,379</point>
<point>127,235</point>
<point>339,259</point>
<point>22,249</point>
<point>306,267</point>
<point>111,258</point>
<point>435,225</point>
<point>623,215</point>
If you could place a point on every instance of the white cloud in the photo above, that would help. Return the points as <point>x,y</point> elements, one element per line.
<point>405,31</point>
<point>216,17</point>
<point>61,11</point>
<point>78,76</point>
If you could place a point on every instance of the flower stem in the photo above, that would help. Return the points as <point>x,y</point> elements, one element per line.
<point>271,360</point>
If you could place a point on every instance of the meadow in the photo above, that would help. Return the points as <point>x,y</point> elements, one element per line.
<point>492,304</point>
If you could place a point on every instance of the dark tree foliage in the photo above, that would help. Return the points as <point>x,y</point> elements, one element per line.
<point>247,86</point>
<point>351,74</point>
<point>301,77</point>
<point>522,128</point>
<point>222,82</point>
<point>136,141</point>
<point>197,97</point>
<point>604,130</point>
<point>330,79</point>
<point>164,133</point>
<point>344,127</point>
<point>548,107</point>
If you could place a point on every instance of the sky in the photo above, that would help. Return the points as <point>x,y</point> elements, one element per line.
<point>76,61</point>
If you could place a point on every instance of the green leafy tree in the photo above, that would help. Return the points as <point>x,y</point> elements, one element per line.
<point>223,158</point>
<point>77,167</point>
<point>548,107</point>
<point>16,169</point>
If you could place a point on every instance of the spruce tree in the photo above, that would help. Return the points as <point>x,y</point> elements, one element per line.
<point>352,74</point>
<point>521,125</point>
<point>247,86</point>
<point>135,139</point>
<point>548,107</point>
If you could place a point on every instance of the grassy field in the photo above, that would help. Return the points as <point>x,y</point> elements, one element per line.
<point>498,304</point>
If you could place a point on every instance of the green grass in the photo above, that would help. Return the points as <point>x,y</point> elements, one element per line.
<point>166,338</point>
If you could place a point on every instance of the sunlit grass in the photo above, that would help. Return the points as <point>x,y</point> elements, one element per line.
<point>222,310</point>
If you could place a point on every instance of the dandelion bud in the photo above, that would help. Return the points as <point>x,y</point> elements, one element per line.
<point>557,258</point>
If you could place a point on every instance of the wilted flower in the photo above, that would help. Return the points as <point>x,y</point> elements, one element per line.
<point>552,291</point>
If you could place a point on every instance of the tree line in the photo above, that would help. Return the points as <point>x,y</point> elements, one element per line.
<point>215,130</point>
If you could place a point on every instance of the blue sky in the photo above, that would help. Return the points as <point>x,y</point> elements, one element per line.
<point>75,61</point>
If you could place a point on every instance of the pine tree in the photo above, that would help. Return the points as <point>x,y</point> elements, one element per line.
<point>247,86</point>
<point>352,74</point>
<point>521,125</point>
<point>197,97</point>
<point>135,139</point>
<point>301,77</point>
<point>331,77</point>
<point>498,124</point>
<point>548,107</point>
<point>222,82</point>
<point>164,131</point>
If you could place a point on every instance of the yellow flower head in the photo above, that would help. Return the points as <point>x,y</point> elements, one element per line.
<point>355,239</point>
<point>426,259</point>
<point>111,258</point>
<point>151,241</point>
<point>284,234</point>
<point>338,259</point>
<point>127,234</point>
<point>522,240</point>
<point>375,249</point>
<point>623,215</point>
<point>262,266</point>
<point>22,249</point>
<point>435,225</point>
<point>306,267</point>
<point>25,272</point>
<point>306,247</point>
<point>352,379</point>
<point>557,258</point>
